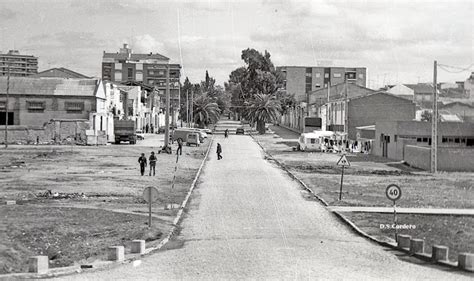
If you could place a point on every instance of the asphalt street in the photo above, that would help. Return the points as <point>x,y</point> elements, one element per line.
<point>249,220</point>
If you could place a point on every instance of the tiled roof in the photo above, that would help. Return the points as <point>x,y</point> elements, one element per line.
<point>49,86</point>
<point>60,72</point>
<point>338,91</point>
<point>134,57</point>
<point>421,88</point>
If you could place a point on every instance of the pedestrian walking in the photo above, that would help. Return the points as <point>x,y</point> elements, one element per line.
<point>147,127</point>
<point>142,161</point>
<point>226,133</point>
<point>219,151</point>
<point>180,147</point>
<point>152,161</point>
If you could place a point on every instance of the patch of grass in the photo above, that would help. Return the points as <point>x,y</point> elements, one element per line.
<point>455,232</point>
<point>66,235</point>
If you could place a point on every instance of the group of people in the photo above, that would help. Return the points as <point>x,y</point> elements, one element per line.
<point>143,163</point>
<point>142,160</point>
<point>148,129</point>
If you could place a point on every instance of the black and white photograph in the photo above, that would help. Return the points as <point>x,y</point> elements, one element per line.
<point>237,139</point>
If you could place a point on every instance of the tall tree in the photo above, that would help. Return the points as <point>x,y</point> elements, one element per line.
<point>264,108</point>
<point>206,111</point>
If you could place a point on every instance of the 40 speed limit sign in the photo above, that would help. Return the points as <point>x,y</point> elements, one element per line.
<point>393,192</point>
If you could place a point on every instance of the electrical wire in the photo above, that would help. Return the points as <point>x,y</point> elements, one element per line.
<point>446,67</point>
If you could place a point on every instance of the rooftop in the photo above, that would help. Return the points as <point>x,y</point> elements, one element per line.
<point>60,72</point>
<point>50,86</point>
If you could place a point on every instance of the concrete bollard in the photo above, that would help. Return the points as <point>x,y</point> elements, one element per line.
<point>466,261</point>
<point>138,247</point>
<point>38,264</point>
<point>439,253</point>
<point>403,241</point>
<point>417,246</point>
<point>116,253</point>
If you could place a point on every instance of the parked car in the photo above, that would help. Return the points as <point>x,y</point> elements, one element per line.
<point>182,133</point>
<point>192,138</point>
<point>207,131</point>
<point>239,131</point>
<point>140,135</point>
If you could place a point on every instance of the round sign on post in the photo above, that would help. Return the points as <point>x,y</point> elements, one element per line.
<point>393,192</point>
<point>150,194</point>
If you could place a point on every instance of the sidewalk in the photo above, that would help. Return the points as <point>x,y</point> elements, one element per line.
<point>424,211</point>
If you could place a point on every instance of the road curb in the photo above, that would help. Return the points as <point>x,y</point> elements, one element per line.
<point>348,222</point>
<point>64,271</point>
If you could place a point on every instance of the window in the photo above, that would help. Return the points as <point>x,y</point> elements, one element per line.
<point>313,141</point>
<point>3,105</point>
<point>361,76</point>
<point>74,107</point>
<point>326,75</point>
<point>318,75</point>
<point>130,73</point>
<point>337,75</point>
<point>35,106</point>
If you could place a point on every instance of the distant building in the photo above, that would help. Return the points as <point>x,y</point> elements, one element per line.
<point>463,110</point>
<point>300,80</point>
<point>20,65</point>
<point>146,70</point>
<point>364,110</point>
<point>60,72</point>
<point>421,93</point>
<point>469,86</point>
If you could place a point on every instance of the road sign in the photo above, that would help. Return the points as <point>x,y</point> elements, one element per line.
<point>393,192</point>
<point>343,161</point>
<point>150,194</point>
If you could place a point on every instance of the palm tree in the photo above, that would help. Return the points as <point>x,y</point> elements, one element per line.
<point>263,108</point>
<point>206,111</point>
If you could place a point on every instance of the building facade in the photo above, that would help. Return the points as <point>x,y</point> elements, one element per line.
<point>35,102</point>
<point>20,65</point>
<point>411,141</point>
<point>301,80</point>
<point>346,115</point>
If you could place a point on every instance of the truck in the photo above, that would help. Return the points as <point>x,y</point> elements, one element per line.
<point>125,130</point>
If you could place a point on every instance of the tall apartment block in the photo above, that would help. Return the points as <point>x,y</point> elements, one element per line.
<point>20,65</point>
<point>124,66</point>
<point>301,80</point>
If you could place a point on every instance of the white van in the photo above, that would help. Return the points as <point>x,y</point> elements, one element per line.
<point>314,141</point>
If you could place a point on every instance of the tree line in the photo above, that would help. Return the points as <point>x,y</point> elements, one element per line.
<point>253,93</point>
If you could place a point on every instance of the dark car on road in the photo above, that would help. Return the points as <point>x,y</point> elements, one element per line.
<point>239,131</point>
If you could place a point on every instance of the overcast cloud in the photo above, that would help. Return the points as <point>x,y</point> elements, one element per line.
<point>396,40</point>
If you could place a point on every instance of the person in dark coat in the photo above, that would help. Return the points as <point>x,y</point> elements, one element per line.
<point>180,147</point>
<point>152,160</point>
<point>226,133</point>
<point>142,161</point>
<point>219,151</point>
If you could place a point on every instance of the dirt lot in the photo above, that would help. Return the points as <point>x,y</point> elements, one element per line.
<point>365,183</point>
<point>59,189</point>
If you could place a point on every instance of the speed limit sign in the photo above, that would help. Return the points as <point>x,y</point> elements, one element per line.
<point>393,192</point>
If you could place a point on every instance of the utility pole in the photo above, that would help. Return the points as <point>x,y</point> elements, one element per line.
<point>192,109</point>
<point>167,108</point>
<point>6,108</point>
<point>434,123</point>
<point>179,102</point>
<point>346,115</point>
<point>187,108</point>
<point>327,107</point>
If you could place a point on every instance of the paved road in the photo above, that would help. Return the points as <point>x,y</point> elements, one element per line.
<point>248,220</point>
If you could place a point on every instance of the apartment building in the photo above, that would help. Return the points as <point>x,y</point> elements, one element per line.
<point>20,65</point>
<point>301,80</point>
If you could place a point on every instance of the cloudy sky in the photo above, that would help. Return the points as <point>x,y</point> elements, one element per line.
<point>396,40</point>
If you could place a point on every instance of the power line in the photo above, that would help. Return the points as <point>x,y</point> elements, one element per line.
<point>446,67</point>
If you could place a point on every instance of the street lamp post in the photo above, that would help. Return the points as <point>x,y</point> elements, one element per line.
<point>167,113</point>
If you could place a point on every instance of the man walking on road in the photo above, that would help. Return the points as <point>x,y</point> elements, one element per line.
<point>152,160</point>
<point>219,151</point>
<point>180,147</point>
<point>142,161</point>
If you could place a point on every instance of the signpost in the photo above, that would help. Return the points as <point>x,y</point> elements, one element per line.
<point>344,163</point>
<point>393,192</point>
<point>150,194</point>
